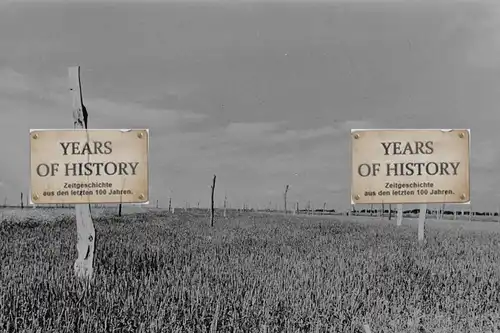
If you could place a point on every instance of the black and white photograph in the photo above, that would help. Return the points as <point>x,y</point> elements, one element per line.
<point>253,166</point>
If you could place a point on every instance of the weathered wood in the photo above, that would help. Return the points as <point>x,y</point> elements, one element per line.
<point>212,212</point>
<point>400,215</point>
<point>284,196</point>
<point>421,222</point>
<point>225,205</point>
<point>84,264</point>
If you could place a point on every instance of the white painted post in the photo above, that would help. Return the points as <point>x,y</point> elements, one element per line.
<point>400,215</point>
<point>84,225</point>
<point>421,222</point>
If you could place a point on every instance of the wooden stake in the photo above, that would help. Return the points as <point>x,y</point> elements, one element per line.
<point>284,196</point>
<point>22,202</point>
<point>212,206</point>
<point>84,225</point>
<point>400,215</point>
<point>421,222</point>
<point>225,205</point>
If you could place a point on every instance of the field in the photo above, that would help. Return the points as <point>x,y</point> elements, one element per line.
<point>158,272</point>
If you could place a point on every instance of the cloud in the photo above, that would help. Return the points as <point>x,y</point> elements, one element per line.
<point>278,132</point>
<point>103,113</point>
<point>12,82</point>
<point>28,102</point>
<point>250,130</point>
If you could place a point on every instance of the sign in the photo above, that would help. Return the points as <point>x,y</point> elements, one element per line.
<point>89,166</point>
<point>410,166</point>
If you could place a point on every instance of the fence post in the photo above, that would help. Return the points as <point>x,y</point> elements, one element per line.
<point>400,214</point>
<point>421,222</point>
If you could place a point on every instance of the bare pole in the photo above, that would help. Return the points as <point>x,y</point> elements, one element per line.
<point>22,202</point>
<point>400,214</point>
<point>84,225</point>
<point>212,205</point>
<point>421,222</point>
<point>225,205</point>
<point>284,196</point>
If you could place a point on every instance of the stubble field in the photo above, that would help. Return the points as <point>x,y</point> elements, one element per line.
<point>158,272</point>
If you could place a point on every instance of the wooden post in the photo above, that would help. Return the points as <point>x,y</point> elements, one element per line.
<point>225,205</point>
<point>390,211</point>
<point>84,225</point>
<point>22,202</point>
<point>400,215</point>
<point>284,196</point>
<point>170,205</point>
<point>120,209</point>
<point>212,205</point>
<point>421,222</point>
<point>156,203</point>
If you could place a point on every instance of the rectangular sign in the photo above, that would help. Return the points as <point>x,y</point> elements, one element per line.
<point>89,166</point>
<point>410,166</point>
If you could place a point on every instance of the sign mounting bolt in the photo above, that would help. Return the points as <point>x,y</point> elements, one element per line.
<point>461,135</point>
<point>140,135</point>
<point>141,196</point>
<point>356,197</point>
<point>35,197</point>
<point>462,196</point>
<point>35,136</point>
<point>356,136</point>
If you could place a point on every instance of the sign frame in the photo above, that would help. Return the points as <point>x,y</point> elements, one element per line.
<point>145,193</point>
<point>352,195</point>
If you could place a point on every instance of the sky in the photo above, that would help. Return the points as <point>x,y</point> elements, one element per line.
<point>261,94</point>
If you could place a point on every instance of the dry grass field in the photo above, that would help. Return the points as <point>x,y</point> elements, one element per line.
<point>158,272</point>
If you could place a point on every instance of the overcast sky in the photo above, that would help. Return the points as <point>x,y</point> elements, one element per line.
<point>262,95</point>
